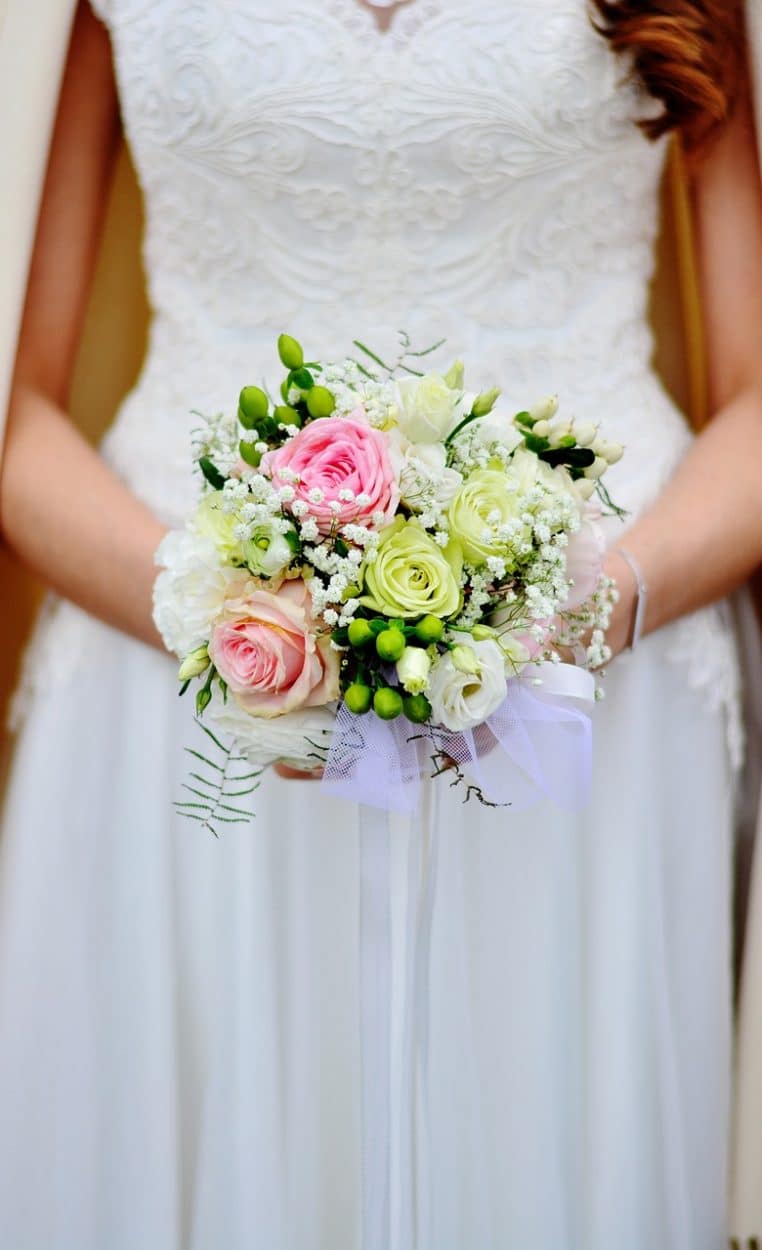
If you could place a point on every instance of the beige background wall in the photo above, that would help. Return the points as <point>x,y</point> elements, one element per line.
<point>112,349</point>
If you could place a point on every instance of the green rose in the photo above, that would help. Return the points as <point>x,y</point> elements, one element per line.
<point>212,522</point>
<point>411,576</point>
<point>487,500</point>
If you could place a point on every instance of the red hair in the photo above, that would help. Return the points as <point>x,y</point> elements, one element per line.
<point>689,55</point>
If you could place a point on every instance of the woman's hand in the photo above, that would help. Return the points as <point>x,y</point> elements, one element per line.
<point>299,774</point>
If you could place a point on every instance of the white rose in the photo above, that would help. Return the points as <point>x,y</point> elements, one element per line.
<point>462,700</point>
<point>191,589</point>
<point>428,410</point>
<point>424,472</point>
<point>296,738</point>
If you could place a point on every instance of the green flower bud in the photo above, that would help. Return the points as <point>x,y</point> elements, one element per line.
<point>203,699</point>
<point>429,629</point>
<point>482,633</point>
<point>387,703</point>
<point>359,632</point>
<point>249,453</point>
<point>466,660</point>
<point>253,406</point>
<point>485,402</point>
<point>290,352</point>
<point>455,375</point>
<point>417,708</point>
<point>320,402</point>
<point>284,414</point>
<point>194,664</point>
<point>390,644</point>
<point>358,698</point>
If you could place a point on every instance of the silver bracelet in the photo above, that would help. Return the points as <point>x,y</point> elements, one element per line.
<point>642,599</point>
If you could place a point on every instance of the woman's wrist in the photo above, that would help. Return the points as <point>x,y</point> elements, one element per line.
<point>619,635</point>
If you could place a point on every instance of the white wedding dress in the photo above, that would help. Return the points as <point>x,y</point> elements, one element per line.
<point>180,1063</point>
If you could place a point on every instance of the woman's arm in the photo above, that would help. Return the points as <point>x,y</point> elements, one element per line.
<point>703,536</point>
<point>62,511</point>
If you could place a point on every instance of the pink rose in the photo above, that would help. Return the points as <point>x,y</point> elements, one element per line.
<point>333,455</point>
<point>267,651</point>
<point>584,559</point>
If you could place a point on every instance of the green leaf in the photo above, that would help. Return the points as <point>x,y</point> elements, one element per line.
<point>372,355</point>
<point>575,457</point>
<point>211,473</point>
<point>301,378</point>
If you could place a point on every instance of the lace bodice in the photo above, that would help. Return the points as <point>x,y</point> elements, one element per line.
<point>473,172</point>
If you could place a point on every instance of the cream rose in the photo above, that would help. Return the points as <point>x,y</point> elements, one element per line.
<point>486,501</point>
<point>428,409</point>
<point>411,576</point>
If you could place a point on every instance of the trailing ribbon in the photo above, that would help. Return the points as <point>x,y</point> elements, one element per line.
<point>537,744</point>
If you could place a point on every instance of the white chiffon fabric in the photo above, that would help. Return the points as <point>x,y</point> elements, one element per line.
<point>179,1016</point>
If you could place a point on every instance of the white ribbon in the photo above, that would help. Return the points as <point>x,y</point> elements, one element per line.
<point>557,682</point>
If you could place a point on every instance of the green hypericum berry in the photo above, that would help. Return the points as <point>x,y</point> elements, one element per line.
<point>417,708</point>
<point>284,414</point>
<point>285,387</point>
<point>359,632</point>
<point>249,453</point>
<point>358,698</point>
<point>429,629</point>
<point>390,644</point>
<point>320,402</point>
<point>290,352</point>
<point>253,406</point>
<point>387,703</point>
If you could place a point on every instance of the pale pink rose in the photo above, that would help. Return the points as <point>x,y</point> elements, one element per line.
<point>267,651</point>
<point>332,455</point>
<point>584,559</point>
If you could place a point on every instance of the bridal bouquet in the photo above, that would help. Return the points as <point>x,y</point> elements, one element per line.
<point>380,559</point>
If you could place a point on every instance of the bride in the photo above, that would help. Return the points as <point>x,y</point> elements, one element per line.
<point>180,1065</point>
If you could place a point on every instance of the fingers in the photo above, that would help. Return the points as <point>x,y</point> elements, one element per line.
<point>298,774</point>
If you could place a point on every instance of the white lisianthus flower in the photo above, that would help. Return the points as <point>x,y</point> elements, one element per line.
<point>296,738</point>
<point>413,668</point>
<point>268,551</point>
<point>427,409</point>
<point>463,700</point>
<point>191,589</point>
<point>424,477</point>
